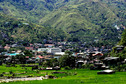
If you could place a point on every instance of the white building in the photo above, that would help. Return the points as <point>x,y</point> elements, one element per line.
<point>58,54</point>
<point>53,50</point>
<point>42,49</point>
<point>49,50</point>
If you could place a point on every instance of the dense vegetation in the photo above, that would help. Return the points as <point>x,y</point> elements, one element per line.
<point>120,53</point>
<point>19,30</point>
<point>80,20</point>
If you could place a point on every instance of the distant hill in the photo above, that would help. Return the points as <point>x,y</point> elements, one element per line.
<point>12,29</point>
<point>85,20</point>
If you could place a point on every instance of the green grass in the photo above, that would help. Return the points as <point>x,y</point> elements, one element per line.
<point>20,71</point>
<point>82,77</point>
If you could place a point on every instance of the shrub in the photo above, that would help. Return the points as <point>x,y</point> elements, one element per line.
<point>92,67</point>
<point>1,75</point>
<point>84,66</point>
<point>67,68</point>
<point>87,66</point>
<point>13,75</point>
<point>10,72</point>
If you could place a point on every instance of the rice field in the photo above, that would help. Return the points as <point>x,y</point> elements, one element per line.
<point>77,76</point>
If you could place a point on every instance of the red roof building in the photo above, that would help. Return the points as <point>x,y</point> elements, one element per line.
<point>29,48</point>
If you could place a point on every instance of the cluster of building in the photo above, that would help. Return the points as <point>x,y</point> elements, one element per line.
<point>43,52</point>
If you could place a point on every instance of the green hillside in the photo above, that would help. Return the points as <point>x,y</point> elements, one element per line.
<point>85,20</point>
<point>19,30</point>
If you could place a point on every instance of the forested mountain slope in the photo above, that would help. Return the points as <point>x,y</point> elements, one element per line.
<point>12,29</point>
<point>85,20</point>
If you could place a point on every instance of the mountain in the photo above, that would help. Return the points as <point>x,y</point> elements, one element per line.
<point>83,20</point>
<point>12,29</point>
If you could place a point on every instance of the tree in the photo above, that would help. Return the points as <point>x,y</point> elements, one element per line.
<point>21,58</point>
<point>123,40</point>
<point>28,53</point>
<point>67,60</point>
<point>54,62</point>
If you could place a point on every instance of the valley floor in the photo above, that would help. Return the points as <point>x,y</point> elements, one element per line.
<point>83,77</point>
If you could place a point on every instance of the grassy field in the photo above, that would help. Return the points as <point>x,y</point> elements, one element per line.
<point>83,77</point>
<point>18,71</point>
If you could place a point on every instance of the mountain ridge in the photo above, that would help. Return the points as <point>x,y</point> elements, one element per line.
<point>77,18</point>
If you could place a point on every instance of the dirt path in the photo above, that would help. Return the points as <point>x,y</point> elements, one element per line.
<point>22,79</point>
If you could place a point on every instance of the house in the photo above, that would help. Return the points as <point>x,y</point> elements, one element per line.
<point>16,45</point>
<point>119,48</point>
<point>53,50</point>
<point>80,60</point>
<point>106,50</point>
<point>38,45</point>
<point>97,55</point>
<point>111,60</point>
<point>31,45</point>
<point>57,55</point>
<point>18,51</point>
<point>39,58</point>
<point>26,57</point>
<point>31,60</point>
<point>42,49</point>
<point>29,48</point>
<point>49,50</point>
<point>47,57</point>
<point>7,47</point>
<point>49,45</point>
